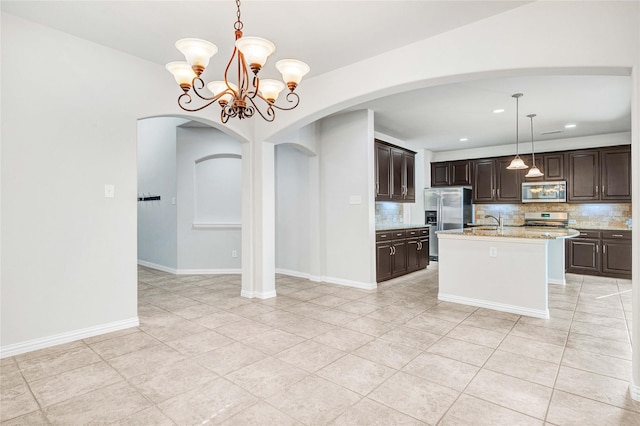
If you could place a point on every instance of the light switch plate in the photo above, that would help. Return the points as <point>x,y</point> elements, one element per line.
<point>109,191</point>
<point>355,199</point>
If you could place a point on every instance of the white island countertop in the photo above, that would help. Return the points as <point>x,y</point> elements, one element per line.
<point>512,232</point>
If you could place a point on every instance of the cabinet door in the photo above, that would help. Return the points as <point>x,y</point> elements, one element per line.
<point>413,254</point>
<point>483,173</point>
<point>383,172</point>
<point>460,172</point>
<point>584,177</point>
<point>423,256</point>
<point>616,257</point>
<point>553,166</point>
<point>615,174</point>
<point>409,177</point>
<point>508,182</point>
<point>399,258</point>
<point>439,174</point>
<point>397,174</point>
<point>584,256</point>
<point>384,263</point>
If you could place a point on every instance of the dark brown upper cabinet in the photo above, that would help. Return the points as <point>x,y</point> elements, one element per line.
<point>451,173</point>
<point>599,175</point>
<point>551,164</point>
<point>494,183</point>
<point>395,173</point>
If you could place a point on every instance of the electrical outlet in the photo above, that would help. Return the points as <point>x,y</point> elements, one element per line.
<point>572,221</point>
<point>493,251</point>
<point>234,253</point>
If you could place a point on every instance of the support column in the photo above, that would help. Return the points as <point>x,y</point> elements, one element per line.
<point>634,386</point>
<point>258,220</point>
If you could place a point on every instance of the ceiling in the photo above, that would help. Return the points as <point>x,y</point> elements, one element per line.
<point>331,34</point>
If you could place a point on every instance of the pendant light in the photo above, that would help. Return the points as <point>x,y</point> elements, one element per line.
<point>534,171</point>
<point>517,163</point>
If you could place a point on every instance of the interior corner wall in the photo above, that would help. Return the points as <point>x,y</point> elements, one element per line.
<point>68,129</point>
<point>293,224</point>
<point>202,249</point>
<point>347,199</point>
<point>157,220</point>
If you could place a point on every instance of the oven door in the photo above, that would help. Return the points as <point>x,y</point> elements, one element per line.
<point>544,192</point>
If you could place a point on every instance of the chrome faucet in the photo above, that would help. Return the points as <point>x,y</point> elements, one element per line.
<point>499,220</point>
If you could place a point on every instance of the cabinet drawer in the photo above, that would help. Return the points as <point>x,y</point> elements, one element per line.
<point>424,232</point>
<point>389,235</point>
<point>413,233</point>
<point>588,234</point>
<point>616,235</point>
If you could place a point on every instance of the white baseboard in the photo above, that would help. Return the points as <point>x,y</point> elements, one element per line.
<point>537,313</point>
<point>347,283</point>
<point>634,390</point>
<point>329,280</point>
<point>291,273</point>
<point>70,336</point>
<point>189,271</point>
<point>258,295</point>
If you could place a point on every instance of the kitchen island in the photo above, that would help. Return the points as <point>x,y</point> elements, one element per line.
<point>505,269</point>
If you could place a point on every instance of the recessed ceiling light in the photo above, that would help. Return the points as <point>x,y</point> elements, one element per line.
<point>498,111</point>
<point>464,139</point>
<point>570,126</point>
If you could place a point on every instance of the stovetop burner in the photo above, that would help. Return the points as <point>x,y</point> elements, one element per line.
<point>547,219</point>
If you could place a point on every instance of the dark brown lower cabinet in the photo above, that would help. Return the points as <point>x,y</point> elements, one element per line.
<point>605,253</point>
<point>401,251</point>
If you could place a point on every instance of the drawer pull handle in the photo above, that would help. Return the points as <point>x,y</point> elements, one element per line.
<point>383,235</point>
<point>617,235</point>
<point>583,233</point>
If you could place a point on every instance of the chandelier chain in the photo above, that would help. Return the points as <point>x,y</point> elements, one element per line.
<point>238,25</point>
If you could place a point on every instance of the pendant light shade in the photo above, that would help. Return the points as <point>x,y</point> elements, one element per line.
<point>534,171</point>
<point>517,163</point>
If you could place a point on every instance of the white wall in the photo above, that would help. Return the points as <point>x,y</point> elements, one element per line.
<point>204,247</point>
<point>157,220</point>
<point>68,128</point>
<point>293,215</point>
<point>346,170</point>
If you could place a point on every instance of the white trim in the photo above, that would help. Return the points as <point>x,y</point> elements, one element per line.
<point>538,313</point>
<point>217,225</point>
<point>209,271</point>
<point>555,281</point>
<point>291,273</point>
<point>70,336</point>
<point>258,295</point>
<point>156,266</point>
<point>634,390</point>
<point>347,283</point>
<point>328,280</point>
<point>163,268</point>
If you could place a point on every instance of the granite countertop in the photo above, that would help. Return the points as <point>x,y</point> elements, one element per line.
<point>513,232</point>
<point>602,228</point>
<point>399,226</point>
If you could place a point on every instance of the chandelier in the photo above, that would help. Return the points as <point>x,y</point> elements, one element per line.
<point>517,163</point>
<point>245,95</point>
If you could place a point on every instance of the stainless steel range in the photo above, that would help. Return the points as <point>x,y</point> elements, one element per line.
<point>549,219</point>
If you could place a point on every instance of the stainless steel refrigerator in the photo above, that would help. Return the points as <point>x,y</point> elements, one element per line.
<point>446,208</point>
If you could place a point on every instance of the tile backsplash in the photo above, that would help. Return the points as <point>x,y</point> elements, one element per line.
<point>585,215</point>
<point>389,213</point>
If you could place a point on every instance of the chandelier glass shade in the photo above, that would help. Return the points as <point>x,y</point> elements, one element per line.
<point>534,171</point>
<point>517,163</point>
<point>247,94</point>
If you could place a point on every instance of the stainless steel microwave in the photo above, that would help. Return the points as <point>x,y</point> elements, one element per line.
<point>544,192</point>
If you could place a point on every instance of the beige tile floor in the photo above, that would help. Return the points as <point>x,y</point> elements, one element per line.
<point>323,354</point>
